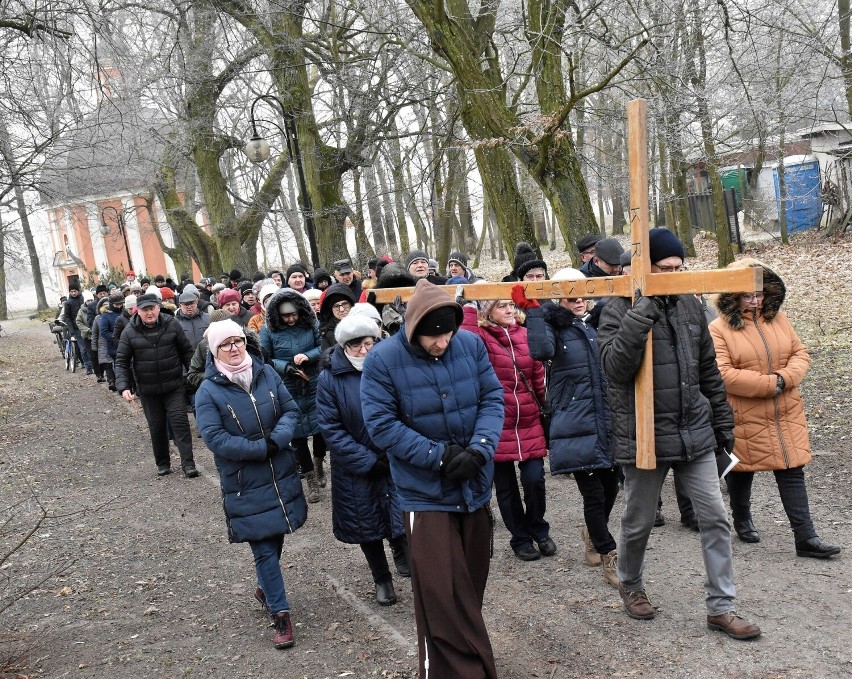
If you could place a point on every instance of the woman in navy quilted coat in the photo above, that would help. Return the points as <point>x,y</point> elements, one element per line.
<point>580,424</point>
<point>292,341</point>
<point>247,419</point>
<point>364,506</point>
<point>522,440</point>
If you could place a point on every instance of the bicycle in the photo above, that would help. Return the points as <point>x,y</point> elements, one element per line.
<point>70,350</point>
<point>56,328</point>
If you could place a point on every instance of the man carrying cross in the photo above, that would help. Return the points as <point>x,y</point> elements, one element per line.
<point>692,420</point>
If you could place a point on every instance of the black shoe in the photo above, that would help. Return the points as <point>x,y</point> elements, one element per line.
<point>526,553</point>
<point>102,379</point>
<point>547,547</point>
<point>89,371</point>
<point>690,522</point>
<point>659,519</point>
<point>385,594</point>
<point>163,469</point>
<point>112,386</point>
<point>816,549</point>
<point>747,532</point>
<point>190,470</point>
<point>400,560</point>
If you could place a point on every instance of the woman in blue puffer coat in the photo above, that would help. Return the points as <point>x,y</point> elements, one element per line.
<point>364,506</point>
<point>291,340</point>
<point>247,419</point>
<point>580,423</point>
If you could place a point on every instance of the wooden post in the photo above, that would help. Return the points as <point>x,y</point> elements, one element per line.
<point>640,268</point>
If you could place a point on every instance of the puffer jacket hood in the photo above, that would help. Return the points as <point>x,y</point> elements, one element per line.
<point>426,298</point>
<point>307,317</point>
<point>774,292</point>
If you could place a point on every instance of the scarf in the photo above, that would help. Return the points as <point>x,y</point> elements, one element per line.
<point>356,361</point>
<point>238,374</point>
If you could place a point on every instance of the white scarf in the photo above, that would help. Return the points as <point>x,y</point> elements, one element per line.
<point>356,361</point>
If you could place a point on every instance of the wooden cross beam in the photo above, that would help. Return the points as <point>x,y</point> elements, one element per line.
<point>641,281</point>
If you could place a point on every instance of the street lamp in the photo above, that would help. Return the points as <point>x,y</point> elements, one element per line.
<point>257,150</point>
<point>118,216</point>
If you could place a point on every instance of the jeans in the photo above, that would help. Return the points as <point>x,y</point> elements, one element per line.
<point>525,524</point>
<point>160,411</point>
<point>599,489</point>
<point>794,497</point>
<point>83,349</point>
<point>701,483</point>
<point>267,558</point>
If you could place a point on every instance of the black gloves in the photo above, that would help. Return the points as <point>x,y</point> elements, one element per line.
<point>725,440</point>
<point>451,452</point>
<point>381,469</point>
<point>271,447</point>
<point>780,385</point>
<point>463,465</point>
<point>652,308</point>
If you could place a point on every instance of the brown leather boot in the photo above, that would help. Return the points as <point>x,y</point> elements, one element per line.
<point>313,486</point>
<point>637,605</point>
<point>590,554</point>
<point>283,630</point>
<point>609,562</point>
<point>733,625</point>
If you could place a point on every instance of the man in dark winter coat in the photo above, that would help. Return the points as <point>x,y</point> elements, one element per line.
<point>155,348</point>
<point>432,401</point>
<point>69,315</point>
<point>344,274</point>
<point>457,266</point>
<point>692,420</point>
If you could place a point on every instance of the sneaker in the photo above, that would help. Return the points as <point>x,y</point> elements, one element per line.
<point>163,469</point>
<point>526,553</point>
<point>547,547</point>
<point>260,597</point>
<point>733,625</point>
<point>189,470</point>
<point>636,604</point>
<point>283,630</point>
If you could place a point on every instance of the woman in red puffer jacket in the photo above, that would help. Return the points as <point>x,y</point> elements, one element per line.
<point>522,440</point>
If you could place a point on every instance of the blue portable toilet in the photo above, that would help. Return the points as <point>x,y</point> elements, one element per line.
<point>804,205</point>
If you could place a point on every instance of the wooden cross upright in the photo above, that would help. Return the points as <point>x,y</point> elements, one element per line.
<point>641,282</point>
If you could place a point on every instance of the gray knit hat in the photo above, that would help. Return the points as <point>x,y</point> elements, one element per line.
<point>415,254</point>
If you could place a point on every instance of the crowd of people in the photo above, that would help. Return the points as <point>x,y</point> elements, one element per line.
<point>422,408</point>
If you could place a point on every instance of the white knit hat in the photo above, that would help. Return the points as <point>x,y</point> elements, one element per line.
<point>352,327</point>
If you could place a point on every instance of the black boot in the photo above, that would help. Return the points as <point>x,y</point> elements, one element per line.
<point>816,548</point>
<point>400,559</point>
<point>385,594</point>
<point>746,531</point>
<point>320,472</point>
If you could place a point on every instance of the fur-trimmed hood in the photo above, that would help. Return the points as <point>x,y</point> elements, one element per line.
<point>774,292</point>
<point>307,317</point>
<point>338,292</point>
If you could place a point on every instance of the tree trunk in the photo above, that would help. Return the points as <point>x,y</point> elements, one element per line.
<point>387,202</point>
<point>398,182</point>
<point>665,187</point>
<point>845,52</point>
<point>374,209</point>
<point>362,242</point>
<point>21,208</point>
<point>782,191</point>
<point>4,309</point>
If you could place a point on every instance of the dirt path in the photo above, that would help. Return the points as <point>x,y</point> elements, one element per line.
<point>150,586</point>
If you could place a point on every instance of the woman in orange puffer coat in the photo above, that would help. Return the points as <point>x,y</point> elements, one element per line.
<point>763,361</point>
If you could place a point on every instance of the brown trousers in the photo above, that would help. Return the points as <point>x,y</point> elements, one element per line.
<point>450,558</point>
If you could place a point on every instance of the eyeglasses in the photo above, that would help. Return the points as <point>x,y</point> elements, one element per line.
<point>237,343</point>
<point>669,269</point>
<point>363,345</point>
<point>749,297</point>
<point>572,300</point>
<point>341,306</point>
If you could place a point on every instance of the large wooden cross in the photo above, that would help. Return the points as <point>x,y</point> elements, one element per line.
<point>641,282</point>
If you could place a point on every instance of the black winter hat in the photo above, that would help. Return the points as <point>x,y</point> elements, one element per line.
<point>530,262</point>
<point>523,248</point>
<point>235,275</point>
<point>438,321</point>
<point>609,250</point>
<point>459,257</point>
<point>74,286</point>
<point>101,288</point>
<point>393,275</point>
<point>116,298</point>
<point>244,287</point>
<point>295,268</point>
<point>663,244</point>
<point>320,275</point>
<point>258,276</point>
<point>588,241</point>
<point>415,254</point>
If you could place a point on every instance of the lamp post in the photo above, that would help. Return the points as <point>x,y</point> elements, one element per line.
<point>118,216</point>
<point>257,150</point>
